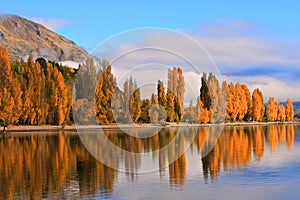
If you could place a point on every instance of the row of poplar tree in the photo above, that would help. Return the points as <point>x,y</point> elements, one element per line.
<point>33,93</point>
<point>125,106</point>
<point>231,102</point>
<point>216,103</point>
<point>40,92</point>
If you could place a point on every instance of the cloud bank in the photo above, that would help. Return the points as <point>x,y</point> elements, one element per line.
<point>235,50</point>
<point>251,53</point>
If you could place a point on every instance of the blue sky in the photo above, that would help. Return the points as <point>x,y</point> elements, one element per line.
<point>254,42</point>
<point>89,22</point>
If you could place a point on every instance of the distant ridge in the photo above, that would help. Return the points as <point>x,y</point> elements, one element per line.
<point>296,104</point>
<point>23,37</point>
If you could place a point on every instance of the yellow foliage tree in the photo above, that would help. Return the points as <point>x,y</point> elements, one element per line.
<point>103,94</point>
<point>271,111</point>
<point>289,110</point>
<point>203,113</point>
<point>257,105</point>
<point>281,113</point>
<point>10,94</point>
<point>247,93</point>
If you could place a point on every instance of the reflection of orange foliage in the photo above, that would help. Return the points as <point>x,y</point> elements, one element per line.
<point>177,166</point>
<point>33,164</point>
<point>272,136</point>
<point>199,138</point>
<point>177,171</point>
<point>235,145</point>
<point>258,142</point>
<point>290,135</point>
<point>214,164</point>
<point>257,105</point>
<point>282,133</point>
<point>237,150</point>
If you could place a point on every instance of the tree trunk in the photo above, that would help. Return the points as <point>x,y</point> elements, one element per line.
<point>4,128</point>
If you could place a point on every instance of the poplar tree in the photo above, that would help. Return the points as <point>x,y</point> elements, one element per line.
<point>161,93</point>
<point>257,105</point>
<point>204,92</point>
<point>145,108</point>
<point>153,112</point>
<point>271,111</point>
<point>103,95</point>
<point>289,110</point>
<point>281,113</point>
<point>175,95</point>
<point>248,115</point>
<point>135,105</point>
<point>202,113</point>
<point>10,93</point>
<point>241,99</point>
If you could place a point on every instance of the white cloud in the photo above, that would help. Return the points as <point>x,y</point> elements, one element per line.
<point>70,63</point>
<point>51,23</point>
<point>242,51</point>
<point>280,89</point>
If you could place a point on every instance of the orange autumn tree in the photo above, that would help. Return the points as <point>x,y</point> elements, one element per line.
<point>161,93</point>
<point>145,108</point>
<point>281,113</point>
<point>257,105</point>
<point>63,100</point>
<point>34,87</point>
<point>202,113</point>
<point>10,93</point>
<point>241,99</point>
<point>58,97</point>
<point>129,102</point>
<point>271,110</point>
<point>213,98</point>
<point>237,101</point>
<point>289,110</point>
<point>175,95</point>
<point>103,95</point>
<point>229,88</point>
<point>154,110</point>
<point>248,115</point>
<point>135,105</point>
<point>39,92</point>
<point>170,107</point>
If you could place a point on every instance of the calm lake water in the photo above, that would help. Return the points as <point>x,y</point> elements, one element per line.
<point>251,162</point>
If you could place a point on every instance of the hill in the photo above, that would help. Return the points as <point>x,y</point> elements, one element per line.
<point>23,37</point>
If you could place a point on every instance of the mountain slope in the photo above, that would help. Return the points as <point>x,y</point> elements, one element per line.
<point>23,37</point>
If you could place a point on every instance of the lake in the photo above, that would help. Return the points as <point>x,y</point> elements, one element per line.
<point>238,162</point>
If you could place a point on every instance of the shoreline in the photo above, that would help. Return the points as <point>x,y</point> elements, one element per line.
<point>71,128</point>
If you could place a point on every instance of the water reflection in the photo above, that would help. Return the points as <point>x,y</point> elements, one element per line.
<point>237,145</point>
<point>57,165</point>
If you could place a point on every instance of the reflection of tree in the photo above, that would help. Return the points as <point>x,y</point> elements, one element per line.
<point>177,171</point>
<point>177,162</point>
<point>258,142</point>
<point>211,163</point>
<point>29,165</point>
<point>92,174</point>
<point>41,166</point>
<point>280,134</point>
<point>290,135</point>
<point>169,142</point>
<point>46,165</point>
<point>235,145</point>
